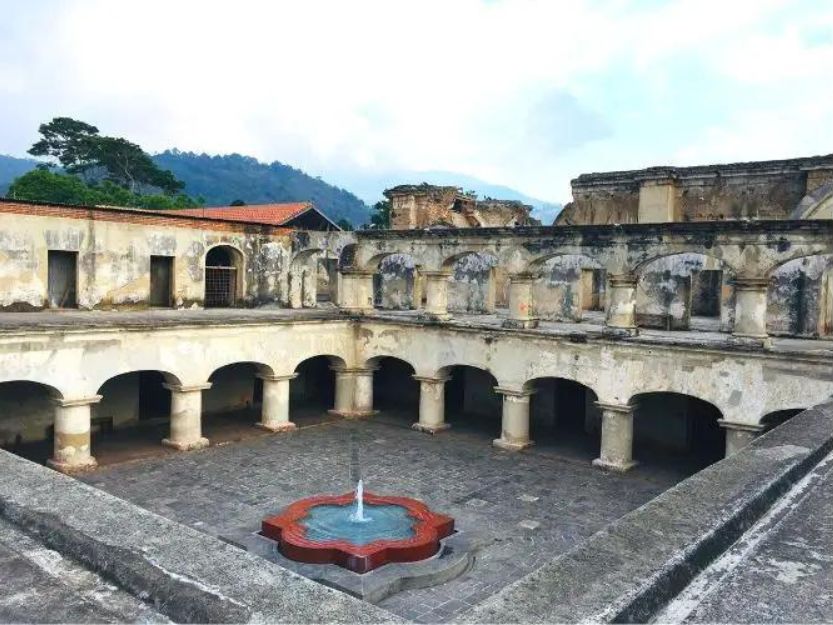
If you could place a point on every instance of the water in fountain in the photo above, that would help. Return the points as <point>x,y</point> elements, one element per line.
<point>358,515</point>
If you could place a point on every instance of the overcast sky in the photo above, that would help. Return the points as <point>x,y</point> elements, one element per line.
<point>526,94</point>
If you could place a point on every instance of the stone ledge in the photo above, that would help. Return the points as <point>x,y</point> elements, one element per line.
<point>185,574</point>
<point>629,570</point>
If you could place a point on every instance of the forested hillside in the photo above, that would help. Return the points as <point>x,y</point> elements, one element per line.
<point>220,180</point>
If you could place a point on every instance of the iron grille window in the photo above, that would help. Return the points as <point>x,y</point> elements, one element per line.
<point>220,286</point>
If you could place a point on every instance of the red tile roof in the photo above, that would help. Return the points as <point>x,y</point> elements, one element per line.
<point>271,214</point>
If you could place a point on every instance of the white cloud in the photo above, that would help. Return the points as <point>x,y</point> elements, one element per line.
<point>422,85</point>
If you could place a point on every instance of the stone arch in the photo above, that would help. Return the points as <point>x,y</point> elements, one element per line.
<point>685,289</point>
<point>800,296</point>
<point>818,204</point>
<point>236,390</point>
<point>395,391</point>
<point>27,416</point>
<point>470,398</point>
<point>313,389</point>
<point>563,414</point>
<point>677,429</point>
<point>477,282</point>
<point>567,285</point>
<point>225,276</point>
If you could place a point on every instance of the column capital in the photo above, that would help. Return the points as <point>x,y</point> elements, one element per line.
<point>523,277</point>
<point>269,377</point>
<point>187,388</point>
<point>354,370</point>
<point>751,284</point>
<point>514,392</point>
<point>80,401</point>
<point>358,272</point>
<point>622,280</point>
<point>739,426</point>
<point>431,378</point>
<point>624,409</point>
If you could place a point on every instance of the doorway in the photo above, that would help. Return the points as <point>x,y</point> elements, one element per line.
<point>161,281</point>
<point>62,277</point>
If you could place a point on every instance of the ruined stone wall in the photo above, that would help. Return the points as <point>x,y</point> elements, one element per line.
<point>472,287</point>
<point>800,298</point>
<point>422,207</point>
<point>114,249</point>
<point>757,190</point>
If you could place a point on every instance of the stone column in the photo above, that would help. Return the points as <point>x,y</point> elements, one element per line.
<point>71,453</point>
<point>750,307</point>
<point>514,435</point>
<point>621,302</point>
<point>275,411</point>
<point>354,392</point>
<point>309,286</point>
<point>431,404</point>
<point>436,291</point>
<point>357,291</point>
<point>617,438</point>
<point>186,417</point>
<point>739,435</point>
<point>295,289</point>
<point>520,302</point>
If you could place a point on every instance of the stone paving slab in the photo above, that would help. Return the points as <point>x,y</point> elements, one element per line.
<point>226,489</point>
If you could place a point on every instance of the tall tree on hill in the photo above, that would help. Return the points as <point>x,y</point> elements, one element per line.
<point>380,215</point>
<point>80,149</point>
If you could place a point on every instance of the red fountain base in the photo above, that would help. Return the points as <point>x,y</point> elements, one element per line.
<point>287,529</point>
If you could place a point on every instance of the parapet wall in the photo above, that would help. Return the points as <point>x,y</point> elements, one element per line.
<point>756,190</point>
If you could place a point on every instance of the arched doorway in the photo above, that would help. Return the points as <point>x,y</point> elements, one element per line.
<point>312,392</point>
<point>395,392</point>
<point>564,417</point>
<point>232,406</point>
<point>777,417</point>
<point>223,277</point>
<point>677,433</point>
<point>27,416</point>
<point>470,400</point>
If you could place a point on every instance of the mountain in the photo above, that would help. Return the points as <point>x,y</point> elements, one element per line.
<point>10,168</point>
<point>220,180</point>
<point>369,187</point>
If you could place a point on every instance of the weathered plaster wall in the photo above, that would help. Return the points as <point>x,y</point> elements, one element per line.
<point>114,260</point>
<point>472,287</point>
<point>800,297</point>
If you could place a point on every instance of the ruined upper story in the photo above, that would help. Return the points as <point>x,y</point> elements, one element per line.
<point>431,206</point>
<point>799,188</point>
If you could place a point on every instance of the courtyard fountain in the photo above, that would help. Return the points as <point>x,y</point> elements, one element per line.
<point>359,530</point>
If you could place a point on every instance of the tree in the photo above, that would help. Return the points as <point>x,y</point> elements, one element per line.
<point>42,185</point>
<point>345,224</point>
<point>70,142</point>
<point>80,149</point>
<point>238,203</point>
<point>380,215</point>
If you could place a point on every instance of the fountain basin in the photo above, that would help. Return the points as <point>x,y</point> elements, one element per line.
<point>317,530</point>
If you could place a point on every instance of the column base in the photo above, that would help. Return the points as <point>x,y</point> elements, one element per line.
<point>520,324</point>
<point>614,467</point>
<point>755,340</point>
<point>200,443</point>
<point>71,468</point>
<point>352,414</point>
<point>504,444</point>
<point>277,427</point>
<point>430,429</point>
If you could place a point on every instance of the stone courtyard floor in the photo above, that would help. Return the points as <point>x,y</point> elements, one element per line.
<point>530,506</point>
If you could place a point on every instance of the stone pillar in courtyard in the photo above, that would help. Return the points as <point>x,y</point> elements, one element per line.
<point>514,434</point>
<point>71,452</point>
<point>621,307</point>
<point>356,291</point>
<point>186,417</point>
<point>353,392</point>
<point>750,307</point>
<point>739,435</point>
<point>431,404</point>
<point>436,292</point>
<point>275,410</point>
<point>617,438</point>
<point>521,308</point>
